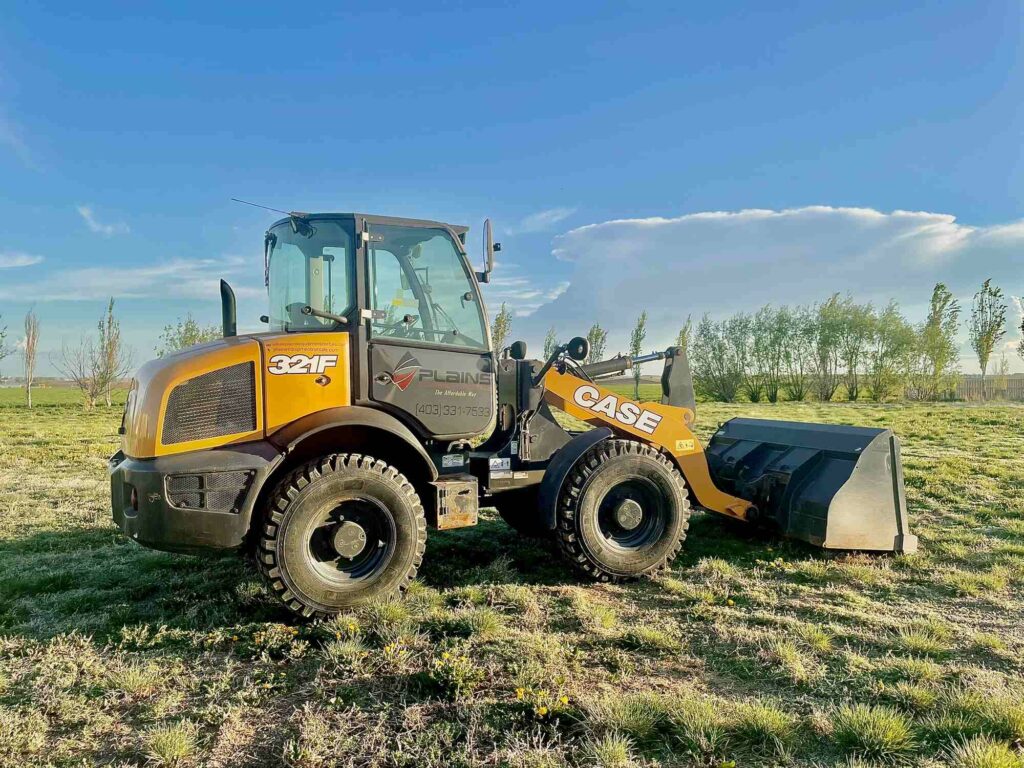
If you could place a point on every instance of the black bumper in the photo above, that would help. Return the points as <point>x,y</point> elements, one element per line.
<point>193,501</point>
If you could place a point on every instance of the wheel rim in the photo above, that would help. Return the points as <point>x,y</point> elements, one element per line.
<point>351,541</point>
<point>632,514</point>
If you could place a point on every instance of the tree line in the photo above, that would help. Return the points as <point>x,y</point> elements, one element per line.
<point>837,348</point>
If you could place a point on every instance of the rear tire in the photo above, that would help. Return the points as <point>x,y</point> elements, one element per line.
<point>623,511</point>
<point>338,531</point>
<point>519,508</point>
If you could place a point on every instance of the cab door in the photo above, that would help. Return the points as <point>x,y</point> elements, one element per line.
<point>428,344</point>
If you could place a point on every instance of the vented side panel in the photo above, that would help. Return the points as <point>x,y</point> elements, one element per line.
<point>221,402</point>
<point>214,491</point>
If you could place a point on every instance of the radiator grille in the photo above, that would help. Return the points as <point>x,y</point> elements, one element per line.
<point>221,402</point>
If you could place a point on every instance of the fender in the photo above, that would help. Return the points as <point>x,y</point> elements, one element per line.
<point>561,464</point>
<point>288,437</point>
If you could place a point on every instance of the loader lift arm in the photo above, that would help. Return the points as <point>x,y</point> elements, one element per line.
<point>663,426</point>
<point>833,486</point>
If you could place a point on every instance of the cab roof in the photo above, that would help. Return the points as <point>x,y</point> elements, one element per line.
<point>458,229</point>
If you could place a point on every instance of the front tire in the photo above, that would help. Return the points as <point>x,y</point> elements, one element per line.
<point>623,511</point>
<point>340,530</point>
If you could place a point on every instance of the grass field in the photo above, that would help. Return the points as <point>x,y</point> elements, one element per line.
<point>753,651</point>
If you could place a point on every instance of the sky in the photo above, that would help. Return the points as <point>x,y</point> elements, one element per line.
<point>680,158</point>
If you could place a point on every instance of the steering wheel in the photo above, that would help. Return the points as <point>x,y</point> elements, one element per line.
<point>403,329</point>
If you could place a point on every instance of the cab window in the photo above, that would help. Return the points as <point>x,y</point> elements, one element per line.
<point>420,282</point>
<point>309,267</point>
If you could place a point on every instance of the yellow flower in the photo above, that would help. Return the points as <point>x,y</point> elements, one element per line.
<point>445,655</point>
<point>542,710</point>
<point>520,693</point>
<point>730,601</point>
<point>563,699</point>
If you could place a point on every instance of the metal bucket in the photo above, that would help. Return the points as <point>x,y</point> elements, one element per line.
<point>833,486</point>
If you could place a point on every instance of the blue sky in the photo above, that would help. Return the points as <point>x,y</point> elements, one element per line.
<point>125,129</point>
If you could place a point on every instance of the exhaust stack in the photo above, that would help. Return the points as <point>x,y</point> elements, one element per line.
<point>227,309</point>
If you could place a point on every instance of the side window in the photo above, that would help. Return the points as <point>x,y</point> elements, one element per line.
<point>391,292</point>
<point>417,274</point>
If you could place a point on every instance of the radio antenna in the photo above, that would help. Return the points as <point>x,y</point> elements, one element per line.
<point>264,207</point>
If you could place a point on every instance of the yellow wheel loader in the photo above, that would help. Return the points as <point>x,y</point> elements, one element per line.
<point>329,443</point>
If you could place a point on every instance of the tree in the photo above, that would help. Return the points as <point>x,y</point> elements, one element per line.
<point>894,343</point>
<point>29,352</point>
<point>769,331</point>
<point>4,349</point>
<point>550,343</point>
<point>82,366</point>
<point>685,333</point>
<point>1002,378</point>
<point>598,338</point>
<point>116,360</point>
<point>636,344</point>
<point>987,326</point>
<point>501,328</point>
<point>1020,308</point>
<point>857,326</point>
<point>739,338</point>
<point>939,346</point>
<point>827,321</point>
<point>188,332</point>
<point>96,365</point>
<point>717,372</point>
<point>799,349</point>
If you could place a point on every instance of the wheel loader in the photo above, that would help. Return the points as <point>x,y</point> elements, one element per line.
<point>329,443</point>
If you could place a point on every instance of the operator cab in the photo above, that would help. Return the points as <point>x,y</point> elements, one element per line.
<point>405,292</point>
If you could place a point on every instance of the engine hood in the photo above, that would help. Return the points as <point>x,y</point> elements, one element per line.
<point>145,410</point>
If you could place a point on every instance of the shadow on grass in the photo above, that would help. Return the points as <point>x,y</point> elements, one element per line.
<point>94,581</point>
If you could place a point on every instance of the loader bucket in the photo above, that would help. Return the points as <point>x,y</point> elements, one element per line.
<point>836,487</point>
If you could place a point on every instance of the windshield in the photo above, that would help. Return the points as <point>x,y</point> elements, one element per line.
<point>421,288</point>
<point>309,267</point>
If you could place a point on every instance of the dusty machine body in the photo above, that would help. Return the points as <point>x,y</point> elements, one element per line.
<point>331,441</point>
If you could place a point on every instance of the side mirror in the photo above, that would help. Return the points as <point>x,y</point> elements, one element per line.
<point>578,348</point>
<point>490,248</point>
<point>518,350</point>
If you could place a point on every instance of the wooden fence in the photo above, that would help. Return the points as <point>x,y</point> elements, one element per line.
<point>997,388</point>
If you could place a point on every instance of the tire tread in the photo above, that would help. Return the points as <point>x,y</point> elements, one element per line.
<point>572,494</point>
<point>287,491</point>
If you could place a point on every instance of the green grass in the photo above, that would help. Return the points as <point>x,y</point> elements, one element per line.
<point>752,650</point>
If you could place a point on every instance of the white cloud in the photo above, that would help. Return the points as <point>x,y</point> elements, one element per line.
<point>523,295</point>
<point>86,212</point>
<point>722,262</point>
<point>541,221</point>
<point>176,278</point>
<point>12,259</point>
